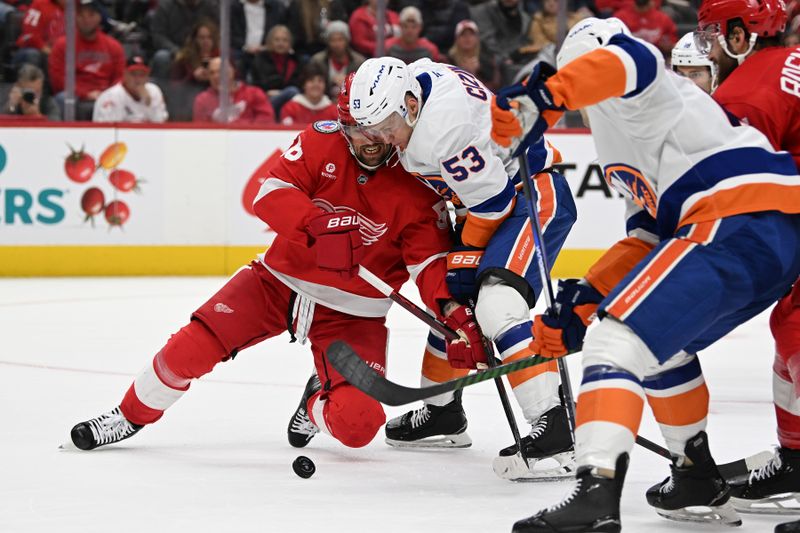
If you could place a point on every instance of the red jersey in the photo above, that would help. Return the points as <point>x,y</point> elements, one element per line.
<point>403,224</point>
<point>764,91</point>
<point>42,25</point>
<point>653,26</point>
<point>364,29</point>
<point>99,64</point>
<point>250,106</point>
<point>299,110</point>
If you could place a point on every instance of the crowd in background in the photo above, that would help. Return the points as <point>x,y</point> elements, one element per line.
<point>159,60</point>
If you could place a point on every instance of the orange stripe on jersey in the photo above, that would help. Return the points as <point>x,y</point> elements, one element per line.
<point>519,377</point>
<point>615,264</point>
<point>569,87</point>
<point>556,153</point>
<point>648,277</point>
<point>618,406</point>
<point>682,409</point>
<point>746,198</point>
<point>477,231</point>
<point>547,198</point>
<point>523,250</point>
<point>439,370</point>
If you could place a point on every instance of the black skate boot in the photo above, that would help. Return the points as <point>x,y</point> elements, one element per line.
<point>696,492</point>
<point>592,506</point>
<point>430,426</point>
<point>770,487</point>
<point>788,527</point>
<point>301,428</point>
<point>105,429</point>
<point>550,438</point>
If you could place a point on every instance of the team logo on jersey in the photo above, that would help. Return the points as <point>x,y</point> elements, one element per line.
<point>326,126</point>
<point>370,231</point>
<point>632,183</point>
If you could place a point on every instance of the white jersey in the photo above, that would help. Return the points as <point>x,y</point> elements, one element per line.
<point>451,149</point>
<point>115,104</point>
<point>667,146</point>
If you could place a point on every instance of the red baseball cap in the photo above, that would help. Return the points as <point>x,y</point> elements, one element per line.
<point>137,63</point>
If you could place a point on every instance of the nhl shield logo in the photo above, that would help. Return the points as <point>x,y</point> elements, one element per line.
<point>362,179</point>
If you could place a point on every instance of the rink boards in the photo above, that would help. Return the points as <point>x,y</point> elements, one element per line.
<point>190,213</point>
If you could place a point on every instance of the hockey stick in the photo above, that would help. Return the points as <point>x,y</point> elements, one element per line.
<point>449,334</point>
<point>361,376</point>
<point>544,275</point>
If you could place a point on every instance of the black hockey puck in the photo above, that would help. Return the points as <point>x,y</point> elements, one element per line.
<point>304,467</point>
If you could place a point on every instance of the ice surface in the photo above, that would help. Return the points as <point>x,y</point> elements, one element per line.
<point>219,460</point>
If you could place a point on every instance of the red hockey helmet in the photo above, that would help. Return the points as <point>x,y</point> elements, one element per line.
<point>350,128</point>
<point>765,18</point>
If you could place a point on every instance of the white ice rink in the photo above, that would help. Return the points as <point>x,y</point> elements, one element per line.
<point>219,459</point>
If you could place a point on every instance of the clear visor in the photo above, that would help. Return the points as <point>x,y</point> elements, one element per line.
<point>355,134</point>
<point>384,131</point>
<point>705,37</point>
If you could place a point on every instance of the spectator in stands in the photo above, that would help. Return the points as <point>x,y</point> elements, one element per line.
<point>134,99</point>
<point>312,104</point>
<point>441,18</point>
<point>503,30</point>
<point>364,27</point>
<point>248,103</point>
<point>277,70</point>
<point>791,39</point>
<point>543,29</point>
<point>467,53</point>
<point>307,20</point>
<point>251,21</point>
<point>99,60</point>
<point>191,61</point>
<point>27,97</point>
<point>172,22</point>
<point>338,60</point>
<point>42,25</point>
<point>409,46</point>
<point>649,23</point>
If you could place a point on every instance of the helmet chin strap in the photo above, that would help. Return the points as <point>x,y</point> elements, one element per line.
<point>738,57</point>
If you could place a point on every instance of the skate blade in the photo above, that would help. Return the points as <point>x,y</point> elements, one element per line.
<point>722,514</point>
<point>513,468</point>
<point>460,440</point>
<point>775,504</point>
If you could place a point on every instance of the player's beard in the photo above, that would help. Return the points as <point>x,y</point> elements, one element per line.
<point>725,67</point>
<point>373,154</point>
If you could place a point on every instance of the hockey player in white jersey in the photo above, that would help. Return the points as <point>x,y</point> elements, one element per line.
<point>714,239</point>
<point>691,63</point>
<point>439,119</point>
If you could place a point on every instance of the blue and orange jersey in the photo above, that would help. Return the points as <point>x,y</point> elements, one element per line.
<point>667,146</point>
<point>452,152</point>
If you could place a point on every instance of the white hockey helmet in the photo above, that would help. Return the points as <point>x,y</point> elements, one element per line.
<point>587,35</point>
<point>686,54</point>
<point>379,89</point>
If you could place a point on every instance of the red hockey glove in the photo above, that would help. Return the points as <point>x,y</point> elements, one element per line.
<point>337,240</point>
<point>469,350</point>
<point>557,336</point>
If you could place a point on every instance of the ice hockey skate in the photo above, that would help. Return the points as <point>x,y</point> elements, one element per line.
<point>107,428</point>
<point>301,428</point>
<point>592,506</point>
<point>694,492</point>
<point>772,489</point>
<point>549,450</point>
<point>430,426</point>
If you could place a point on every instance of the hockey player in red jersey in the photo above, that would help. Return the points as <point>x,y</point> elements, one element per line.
<point>760,85</point>
<point>334,204</point>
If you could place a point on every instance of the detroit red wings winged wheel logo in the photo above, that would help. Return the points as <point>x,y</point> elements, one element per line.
<point>370,231</point>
